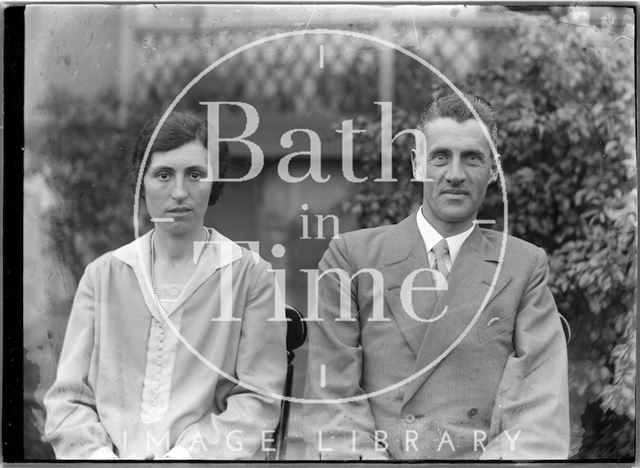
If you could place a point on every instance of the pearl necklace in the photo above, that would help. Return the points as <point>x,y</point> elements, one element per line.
<point>153,261</point>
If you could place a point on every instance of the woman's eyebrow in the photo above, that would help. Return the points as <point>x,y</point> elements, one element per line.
<point>161,168</point>
<point>196,168</point>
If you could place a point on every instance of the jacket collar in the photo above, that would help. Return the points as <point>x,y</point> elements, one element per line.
<point>405,241</point>
<point>219,252</point>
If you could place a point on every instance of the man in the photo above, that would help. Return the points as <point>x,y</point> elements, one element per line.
<point>451,379</point>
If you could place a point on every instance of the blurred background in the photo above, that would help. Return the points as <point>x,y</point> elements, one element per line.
<point>561,79</point>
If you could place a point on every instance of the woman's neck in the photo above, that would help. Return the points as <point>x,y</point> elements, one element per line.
<point>177,249</point>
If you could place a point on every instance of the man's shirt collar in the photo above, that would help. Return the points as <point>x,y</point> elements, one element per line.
<point>431,237</point>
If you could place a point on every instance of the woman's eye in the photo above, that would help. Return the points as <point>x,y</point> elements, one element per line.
<point>163,176</point>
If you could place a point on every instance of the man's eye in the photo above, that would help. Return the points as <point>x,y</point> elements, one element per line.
<point>475,158</point>
<point>195,175</point>
<point>439,157</point>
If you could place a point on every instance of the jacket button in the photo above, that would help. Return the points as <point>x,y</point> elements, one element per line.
<point>409,419</point>
<point>473,412</point>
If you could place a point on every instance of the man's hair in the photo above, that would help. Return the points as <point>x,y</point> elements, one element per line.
<point>451,106</point>
<point>178,129</point>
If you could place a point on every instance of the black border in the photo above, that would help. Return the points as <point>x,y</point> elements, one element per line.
<point>12,172</point>
<point>12,230</point>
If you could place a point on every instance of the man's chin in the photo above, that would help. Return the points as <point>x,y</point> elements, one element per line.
<point>457,216</point>
<point>453,214</point>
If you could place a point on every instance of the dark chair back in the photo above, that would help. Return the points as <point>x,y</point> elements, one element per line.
<point>296,336</point>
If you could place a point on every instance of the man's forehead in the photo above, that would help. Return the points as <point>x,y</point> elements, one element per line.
<point>448,130</point>
<point>448,125</point>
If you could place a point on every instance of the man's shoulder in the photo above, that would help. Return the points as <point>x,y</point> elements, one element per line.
<point>367,234</point>
<point>368,240</point>
<point>516,249</point>
<point>361,247</point>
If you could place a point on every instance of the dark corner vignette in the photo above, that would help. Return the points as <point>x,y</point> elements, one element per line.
<point>12,230</point>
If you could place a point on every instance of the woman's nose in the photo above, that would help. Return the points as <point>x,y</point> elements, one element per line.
<point>179,190</point>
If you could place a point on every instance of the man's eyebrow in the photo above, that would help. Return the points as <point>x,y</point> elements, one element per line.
<point>439,150</point>
<point>476,152</point>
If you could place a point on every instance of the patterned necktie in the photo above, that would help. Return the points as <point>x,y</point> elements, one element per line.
<point>441,251</point>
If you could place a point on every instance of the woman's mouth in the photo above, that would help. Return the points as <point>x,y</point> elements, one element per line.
<point>179,210</point>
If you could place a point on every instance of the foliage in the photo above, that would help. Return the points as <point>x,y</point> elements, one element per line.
<point>607,432</point>
<point>565,101</point>
<point>84,154</point>
<point>564,95</point>
<point>33,416</point>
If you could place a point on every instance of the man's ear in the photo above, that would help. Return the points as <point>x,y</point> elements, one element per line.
<point>419,166</point>
<point>413,163</point>
<point>494,168</point>
<point>419,159</point>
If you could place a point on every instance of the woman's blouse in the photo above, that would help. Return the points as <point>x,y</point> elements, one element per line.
<point>161,352</point>
<point>138,383</point>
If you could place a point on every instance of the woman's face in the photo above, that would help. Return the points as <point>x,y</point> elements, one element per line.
<point>174,189</point>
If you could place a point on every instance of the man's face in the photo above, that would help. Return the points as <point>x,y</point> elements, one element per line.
<point>173,188</point>
<point>458,160</point>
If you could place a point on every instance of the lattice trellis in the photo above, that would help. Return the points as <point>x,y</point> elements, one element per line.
<point>453,51</point>
<point>289,74</point>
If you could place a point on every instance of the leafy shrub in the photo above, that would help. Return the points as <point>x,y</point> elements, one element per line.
<point>565,100</point>
<point>84,153</point>
<point>564,96</point>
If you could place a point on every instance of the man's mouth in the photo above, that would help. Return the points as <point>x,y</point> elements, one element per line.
<point>455,192</point>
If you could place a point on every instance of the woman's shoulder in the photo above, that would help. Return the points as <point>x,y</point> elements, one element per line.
<point>126,255</point>
<point>229,251</point>
<point>106,261</point>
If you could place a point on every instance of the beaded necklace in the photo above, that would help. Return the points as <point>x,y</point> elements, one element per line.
<point>153,261</point>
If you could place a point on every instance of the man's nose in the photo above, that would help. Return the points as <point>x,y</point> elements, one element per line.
<point>455,171</point>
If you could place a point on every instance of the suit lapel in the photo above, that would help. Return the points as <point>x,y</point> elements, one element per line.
<point>406,253</point>
<point>468,285</point>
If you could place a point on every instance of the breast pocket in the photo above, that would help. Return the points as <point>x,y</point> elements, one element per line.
<point>495,325</point>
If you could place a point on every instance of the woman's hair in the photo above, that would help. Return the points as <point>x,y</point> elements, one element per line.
<point>178,129</point>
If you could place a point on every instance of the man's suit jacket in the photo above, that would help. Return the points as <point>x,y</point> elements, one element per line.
<point>474,379</point>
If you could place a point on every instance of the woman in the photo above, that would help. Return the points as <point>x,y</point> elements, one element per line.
<point>135,378</point>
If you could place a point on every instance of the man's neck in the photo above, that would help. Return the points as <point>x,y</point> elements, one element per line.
<point>447,229</point>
